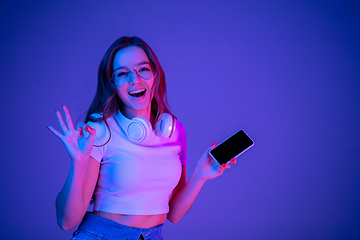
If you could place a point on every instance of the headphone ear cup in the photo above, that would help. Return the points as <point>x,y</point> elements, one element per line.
<point>139,130</point>
<point>165,126</point>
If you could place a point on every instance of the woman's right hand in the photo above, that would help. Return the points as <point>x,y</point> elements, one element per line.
<point>77,144</point>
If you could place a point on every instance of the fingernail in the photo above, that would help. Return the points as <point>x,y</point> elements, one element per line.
<point>89,127</point>
<point>214,144</point>
<point>223,165</point>
<point>47,127</point>
<point>219,167</point>
<point>62,105</point>
<point>233,160</point>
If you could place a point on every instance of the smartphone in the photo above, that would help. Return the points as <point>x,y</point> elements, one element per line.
<point>232,147</point>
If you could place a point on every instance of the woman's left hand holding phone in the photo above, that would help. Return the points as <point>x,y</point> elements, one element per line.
<point>207,168</point>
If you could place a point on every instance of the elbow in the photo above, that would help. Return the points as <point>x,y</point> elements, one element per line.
<point>172,218</point>
<point>65,221</point>
<point>175,213</point>
<point>63,225</point>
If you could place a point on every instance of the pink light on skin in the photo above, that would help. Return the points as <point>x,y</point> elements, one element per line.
<point>134,106</point>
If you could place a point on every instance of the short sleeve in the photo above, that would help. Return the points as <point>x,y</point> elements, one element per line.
<point>101,137</point>
<point>182,142</point>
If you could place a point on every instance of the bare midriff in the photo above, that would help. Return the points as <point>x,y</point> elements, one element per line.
<point>138,221</point>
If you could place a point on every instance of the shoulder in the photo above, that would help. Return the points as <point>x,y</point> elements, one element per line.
<point>182,141</point>
<point>180,131</point>
<point>179,127</point>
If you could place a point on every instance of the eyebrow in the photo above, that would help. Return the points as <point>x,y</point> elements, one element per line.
<point>143,62</point>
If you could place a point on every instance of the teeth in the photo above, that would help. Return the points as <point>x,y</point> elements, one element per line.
<point>137,91</point>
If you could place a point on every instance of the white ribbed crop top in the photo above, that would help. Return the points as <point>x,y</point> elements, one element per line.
<point>136,179</point>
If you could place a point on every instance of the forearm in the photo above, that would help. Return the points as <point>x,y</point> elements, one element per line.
<point>185,198</point>
<point>70,201</point>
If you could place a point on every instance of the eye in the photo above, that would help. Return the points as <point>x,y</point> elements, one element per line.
<point>144,69</point>
<point>121,73</point>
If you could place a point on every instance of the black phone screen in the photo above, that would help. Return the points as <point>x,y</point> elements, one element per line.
<point>232,147</point>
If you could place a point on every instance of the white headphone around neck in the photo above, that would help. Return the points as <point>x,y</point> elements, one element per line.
<point>139,129</point>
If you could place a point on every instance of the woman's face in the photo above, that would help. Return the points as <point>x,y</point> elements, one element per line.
<point>136,94</point>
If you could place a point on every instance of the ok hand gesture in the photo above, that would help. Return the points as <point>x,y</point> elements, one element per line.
<point>76,143</point>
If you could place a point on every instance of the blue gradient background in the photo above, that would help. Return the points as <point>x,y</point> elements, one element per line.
<point>285,71</point>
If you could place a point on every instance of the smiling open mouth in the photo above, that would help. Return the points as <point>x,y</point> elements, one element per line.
<point>137,93</point>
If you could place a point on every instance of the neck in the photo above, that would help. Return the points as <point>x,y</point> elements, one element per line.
<point>131,113</point>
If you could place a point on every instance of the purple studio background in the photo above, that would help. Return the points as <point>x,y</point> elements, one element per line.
<point>288,72</point>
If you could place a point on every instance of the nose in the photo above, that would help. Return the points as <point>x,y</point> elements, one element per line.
<point>133,77</point>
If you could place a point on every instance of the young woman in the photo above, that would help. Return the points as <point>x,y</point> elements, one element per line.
<point>130,156</point>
